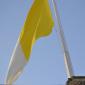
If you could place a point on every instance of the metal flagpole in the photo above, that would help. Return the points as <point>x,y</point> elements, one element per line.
<point>72,79</point>
<point>67,59</point>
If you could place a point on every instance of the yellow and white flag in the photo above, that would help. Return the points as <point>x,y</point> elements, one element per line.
<point>39,23</point>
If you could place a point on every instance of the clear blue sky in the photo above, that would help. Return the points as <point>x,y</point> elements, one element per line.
<point>46,65</point>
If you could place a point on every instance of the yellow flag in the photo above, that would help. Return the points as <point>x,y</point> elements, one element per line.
<point>39,23</point>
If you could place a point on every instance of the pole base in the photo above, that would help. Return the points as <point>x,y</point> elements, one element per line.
<point>76,80</point>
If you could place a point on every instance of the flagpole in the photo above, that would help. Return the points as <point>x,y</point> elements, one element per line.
<point>67,59</point>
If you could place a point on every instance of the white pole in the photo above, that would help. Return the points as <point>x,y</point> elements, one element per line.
<point>67,59</point>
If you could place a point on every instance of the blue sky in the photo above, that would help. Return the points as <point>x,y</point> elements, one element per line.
<point>46,65</point>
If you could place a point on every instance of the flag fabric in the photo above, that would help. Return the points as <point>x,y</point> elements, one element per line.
<point>39,23</point>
